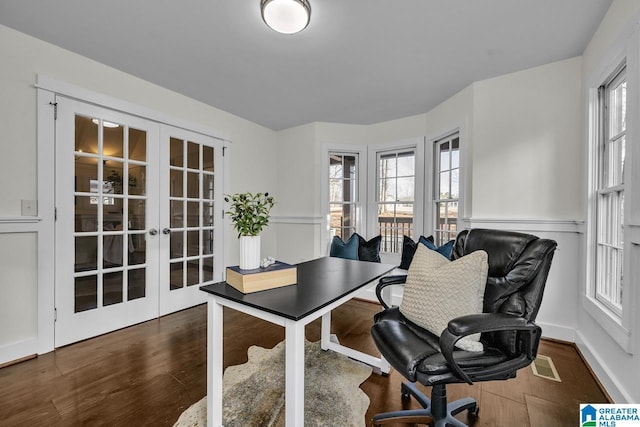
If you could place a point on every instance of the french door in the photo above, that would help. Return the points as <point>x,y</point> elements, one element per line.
<point>135,226</point>
<point>191,194</point>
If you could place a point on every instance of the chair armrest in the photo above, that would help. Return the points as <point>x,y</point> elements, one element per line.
<point>479,323</point>
<point>486,322</point>
<point>388,281</point>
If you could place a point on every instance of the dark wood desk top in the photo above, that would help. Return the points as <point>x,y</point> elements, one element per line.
<point>320,282</point>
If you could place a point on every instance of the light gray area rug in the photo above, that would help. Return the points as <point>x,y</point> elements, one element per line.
<point>254,392</point>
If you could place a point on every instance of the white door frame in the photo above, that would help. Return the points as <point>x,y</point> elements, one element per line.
<point>47,88</point>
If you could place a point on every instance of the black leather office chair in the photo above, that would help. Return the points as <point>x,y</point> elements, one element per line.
<point>518,268</point>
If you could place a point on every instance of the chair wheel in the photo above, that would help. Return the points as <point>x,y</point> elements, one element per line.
<point>475,411</point>
<point>404,392</point>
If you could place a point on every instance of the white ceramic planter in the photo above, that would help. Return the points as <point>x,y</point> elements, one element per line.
<point>249,252</point>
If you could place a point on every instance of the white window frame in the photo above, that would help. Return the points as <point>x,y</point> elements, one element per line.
<point>367,224</point>
<point>417,145</point>
<point>392,159</point>
<point>459,128</point>
<point>360,151</point>
<point>617,324</point>
<point>607,281</point>
<point>353,199</point>
<point>437,169</point>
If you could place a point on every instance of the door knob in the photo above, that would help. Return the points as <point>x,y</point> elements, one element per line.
<point>153,232</point>
<point>166,231</point>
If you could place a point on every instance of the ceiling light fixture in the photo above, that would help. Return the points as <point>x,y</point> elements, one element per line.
<point>286,16</point>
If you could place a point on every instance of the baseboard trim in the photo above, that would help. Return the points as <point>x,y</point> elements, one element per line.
<point>18,351</point>
<point>593,374</point>
<point>557,332</point>
<point>601,371</point>
<point>15,362</point>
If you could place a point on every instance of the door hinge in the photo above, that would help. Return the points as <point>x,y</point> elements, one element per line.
<point>55,214</point>
<point>55,314</point>
<point>222,213</point>
<point>55,110</point>
<point>224,151</point>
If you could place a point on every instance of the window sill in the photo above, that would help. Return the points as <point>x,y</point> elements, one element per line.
<point>609,322</point>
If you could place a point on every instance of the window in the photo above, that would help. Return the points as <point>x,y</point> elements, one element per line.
<point>446,191</point>
<point>384,190</point>
<point>395,197</point>
<point>343,193</point>
<point>609,194</point>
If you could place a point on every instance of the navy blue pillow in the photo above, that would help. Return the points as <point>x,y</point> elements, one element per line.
<point>409,249</point>
<point>347,250</point>
<point>369,251</point>
<point>444,250</point>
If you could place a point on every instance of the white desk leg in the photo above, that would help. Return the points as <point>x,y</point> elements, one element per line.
<point>294,374</point>
<point>214,363</point>
<point>325,331</point>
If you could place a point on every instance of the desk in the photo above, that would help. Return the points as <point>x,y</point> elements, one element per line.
<point>323,284</point>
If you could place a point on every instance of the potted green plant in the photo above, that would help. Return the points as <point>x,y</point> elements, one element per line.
<point>249,213</point>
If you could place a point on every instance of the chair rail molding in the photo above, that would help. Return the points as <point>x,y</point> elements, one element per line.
<point>22,224</point>
<point>296,219</point>
<point>527,225</point>
<point>634,234</point>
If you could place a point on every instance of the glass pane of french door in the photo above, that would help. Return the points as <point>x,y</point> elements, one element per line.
<point>106,191</point>
<point>191,193</point>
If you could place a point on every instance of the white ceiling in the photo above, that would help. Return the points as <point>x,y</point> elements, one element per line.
<point>359,61</point>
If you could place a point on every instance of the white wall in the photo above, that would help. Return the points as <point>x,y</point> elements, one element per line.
<point>298,218</point>
<point>526,130</point>
<point>617,369</point>
<point>252,161</point>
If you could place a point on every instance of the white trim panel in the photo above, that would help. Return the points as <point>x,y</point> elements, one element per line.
<point>18,350</point>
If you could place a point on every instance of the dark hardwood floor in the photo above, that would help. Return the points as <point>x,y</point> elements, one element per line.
<point>148,374</point>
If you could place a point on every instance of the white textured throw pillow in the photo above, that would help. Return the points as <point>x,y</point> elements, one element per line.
<point>438,290</point>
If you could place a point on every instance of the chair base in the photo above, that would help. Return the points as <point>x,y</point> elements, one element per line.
<point>437,412</point>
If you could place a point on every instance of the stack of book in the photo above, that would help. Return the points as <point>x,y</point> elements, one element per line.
<point>263,278</point>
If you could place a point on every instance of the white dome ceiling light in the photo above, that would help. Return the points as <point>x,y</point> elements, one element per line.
<point>286,16</point>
